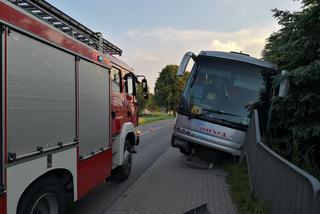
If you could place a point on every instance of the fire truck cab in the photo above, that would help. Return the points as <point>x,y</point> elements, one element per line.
<point>68,109</point>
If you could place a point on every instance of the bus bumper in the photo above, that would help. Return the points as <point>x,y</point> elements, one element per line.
<point>180,140</point>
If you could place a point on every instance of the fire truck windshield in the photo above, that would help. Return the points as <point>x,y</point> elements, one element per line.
<point>221,90</point>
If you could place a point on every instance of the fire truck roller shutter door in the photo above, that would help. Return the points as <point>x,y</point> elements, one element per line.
<point>41,95</point>
<point>1,111</point>
<point>94,108</point>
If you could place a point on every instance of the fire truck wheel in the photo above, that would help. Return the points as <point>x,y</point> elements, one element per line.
<point>122,172</point>
<point>45,196</point>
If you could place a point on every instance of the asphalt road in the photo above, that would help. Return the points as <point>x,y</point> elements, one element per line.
<point>155,140</point>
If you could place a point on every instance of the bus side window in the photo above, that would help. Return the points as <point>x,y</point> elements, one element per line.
<point>116,80</point>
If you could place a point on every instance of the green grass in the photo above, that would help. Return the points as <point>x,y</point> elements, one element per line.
<point>238,179</point>
<point>154,117</point>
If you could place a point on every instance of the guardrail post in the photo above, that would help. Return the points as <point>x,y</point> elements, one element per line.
<point>316,204</point>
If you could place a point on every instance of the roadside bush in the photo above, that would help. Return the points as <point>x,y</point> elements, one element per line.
<point>295,122</point>
<point>141,121</point>
<point>294,130</point>
<point>238,179</point>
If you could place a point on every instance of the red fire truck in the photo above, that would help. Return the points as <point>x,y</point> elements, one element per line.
<point>68,109</point>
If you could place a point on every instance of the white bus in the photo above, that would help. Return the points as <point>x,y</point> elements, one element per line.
<point>213,110</point>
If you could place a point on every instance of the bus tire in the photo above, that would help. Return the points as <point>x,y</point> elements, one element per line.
<point>46,196</point>
<point>182,151</point>
<point>187,149</point>
<point>211,155</point>
<point>121,173</point>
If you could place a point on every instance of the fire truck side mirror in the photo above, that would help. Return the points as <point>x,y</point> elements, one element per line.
<point>144,86</point>
<point>130,85</point>
<point>145,96</point>
<point>185,61</point>
<point>134,89</point>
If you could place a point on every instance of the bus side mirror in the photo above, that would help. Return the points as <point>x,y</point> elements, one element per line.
<point>184,62</point>
<point>284,84</point>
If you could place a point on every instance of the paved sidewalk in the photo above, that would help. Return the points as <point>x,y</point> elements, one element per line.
<point>171,186</point>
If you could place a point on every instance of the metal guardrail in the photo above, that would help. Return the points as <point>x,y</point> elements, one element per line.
<point>283,186</point>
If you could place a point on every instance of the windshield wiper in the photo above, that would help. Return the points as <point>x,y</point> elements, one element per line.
<point>220,119</point>
<point>234,123</point>
<point>220,112</point>
<point>207,111</point>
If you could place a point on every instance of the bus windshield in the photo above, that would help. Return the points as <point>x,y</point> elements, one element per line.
<point>222,90</point>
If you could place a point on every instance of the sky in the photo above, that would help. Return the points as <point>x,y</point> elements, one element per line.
<point>155,33</point>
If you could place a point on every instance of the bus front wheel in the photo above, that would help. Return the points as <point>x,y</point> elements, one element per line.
<point>186,150</point>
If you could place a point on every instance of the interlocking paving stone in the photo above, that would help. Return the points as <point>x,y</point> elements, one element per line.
<point>171,186</point>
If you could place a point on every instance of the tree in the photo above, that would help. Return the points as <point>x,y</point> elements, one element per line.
<point>151,104</point>
<point>297,43</point>
<point>142,102</point>
<point>295,122</point>
<point>168,88</point>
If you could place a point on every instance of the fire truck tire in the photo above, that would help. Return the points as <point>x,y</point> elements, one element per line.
<point>121,173</point>
<point>47,196</point>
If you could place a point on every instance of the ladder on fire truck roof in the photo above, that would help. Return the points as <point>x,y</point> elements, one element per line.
<point>68,25</point>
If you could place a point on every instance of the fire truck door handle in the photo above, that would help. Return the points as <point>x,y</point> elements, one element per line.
<point>113,115</point>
